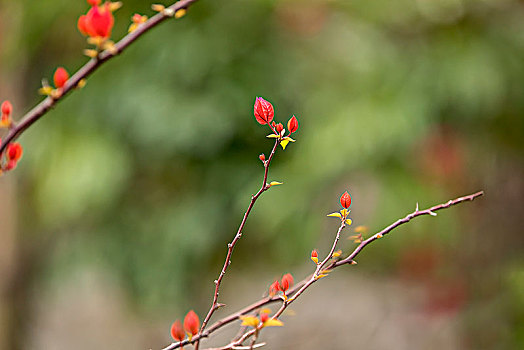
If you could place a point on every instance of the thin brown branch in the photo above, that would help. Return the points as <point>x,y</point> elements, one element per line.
<point>86,70</point>
<point>301,286</point>
<point>430,211</point>
<point>231,246</point>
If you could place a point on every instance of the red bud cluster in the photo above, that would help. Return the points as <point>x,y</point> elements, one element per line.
<point>14,150</point>
<point>264,114</point>
<point>282,286</point>
<point>191,327</point>
<point>13,153</point>
<point>98,22</point>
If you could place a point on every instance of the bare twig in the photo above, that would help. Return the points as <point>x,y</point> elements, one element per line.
<point>86,70</point>
<point>231,246</point>
<point>430,211</point>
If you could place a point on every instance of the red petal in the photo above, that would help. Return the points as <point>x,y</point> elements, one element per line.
<point>292,125</point>
<point>191,323</point>
<point>100,23</point>
<point>264,111</point>
<point>82,25</point>
<point>345,200</point>
<point>274,288</point>
<point>177,332</point>
<point>287,281</point>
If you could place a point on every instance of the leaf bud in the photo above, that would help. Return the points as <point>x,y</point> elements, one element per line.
<point>345,200</point>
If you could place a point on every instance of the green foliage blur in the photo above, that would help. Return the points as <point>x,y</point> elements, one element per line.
<point>146,172</point>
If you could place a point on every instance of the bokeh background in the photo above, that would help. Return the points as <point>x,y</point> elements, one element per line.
<point>116,220</point>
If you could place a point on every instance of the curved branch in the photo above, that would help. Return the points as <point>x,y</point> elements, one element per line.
<point>87,69</point>
<point>301,286</point>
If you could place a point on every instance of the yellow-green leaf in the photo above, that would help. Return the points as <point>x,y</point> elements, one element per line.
<point>349,222</point>
<point>249,321</point>
<point>45,90</point>
<point>180,13</point>
<point>288,139</point>
<point>272,323</point>
<point>275,183</point>
<point>335,215</point>
<point>284,143</point>
<point>272,136</point>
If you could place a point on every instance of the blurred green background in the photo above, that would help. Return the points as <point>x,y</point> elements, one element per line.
<point>116,220</point>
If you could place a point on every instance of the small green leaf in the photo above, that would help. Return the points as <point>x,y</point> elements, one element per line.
<point>275,183</point>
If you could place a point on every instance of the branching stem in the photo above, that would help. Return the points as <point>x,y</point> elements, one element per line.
<point>86,70</point>
<point>301,286</point>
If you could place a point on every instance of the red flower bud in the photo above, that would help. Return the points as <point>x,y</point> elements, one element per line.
<point>98,22</point>
<point>287,281</point>
<point>177,332</point>
<point>262,157</point>
<point>292,124</point>
<point>14,151</point>
<point>60,77</point>
<point>191,323</point>
<point>6,108</point>
<point>345,200</point>
<point>274,288</point>
<point>264,112</point>
<point>264,317</point>
<point>314,256</point>
<point>94,2</point>
<point>279,127</point>
<point>138,18</point>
